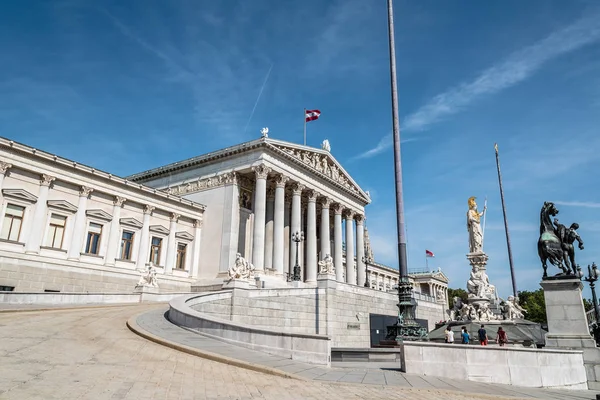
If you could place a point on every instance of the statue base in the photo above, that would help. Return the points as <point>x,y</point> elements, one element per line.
<point>236,284</point>
<point>146,289</point>
<point>567,321</point>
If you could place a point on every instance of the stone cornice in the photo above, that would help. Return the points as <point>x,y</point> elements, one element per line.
<point>69,165</point>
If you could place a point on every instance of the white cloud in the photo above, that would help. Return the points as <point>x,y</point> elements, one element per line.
<point>516,68</point>
<point>585,204</point>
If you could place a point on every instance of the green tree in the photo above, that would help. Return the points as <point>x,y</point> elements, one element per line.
<point>452,293</point>
<point>588,304</point>
<point>535,304</point>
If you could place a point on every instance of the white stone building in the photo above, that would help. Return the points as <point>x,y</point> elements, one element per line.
<point>71,228</point>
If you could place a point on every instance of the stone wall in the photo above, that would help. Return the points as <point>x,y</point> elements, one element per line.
<point>493,364</point>
<point>220,308</point>
<point>33,273</point>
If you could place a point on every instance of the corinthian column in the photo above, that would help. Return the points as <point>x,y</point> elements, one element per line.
<point>360,250</point>
<point>311,237</point>
<point>143,255</point>
<point>325,230</point>
<point>39,216</point>
<point>113,236</point>
<point>260,205</point>
<point>79,229</point>
<point>295,223</point>
<point>270,211</point>
<point>337,242</point>
<point>195,267</point>
<point>278,224</point>
<point>171,245</point>
<point>350,275</point>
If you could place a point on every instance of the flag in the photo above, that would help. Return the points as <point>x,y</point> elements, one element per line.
<point>311,115</point>
<point>429,253</point>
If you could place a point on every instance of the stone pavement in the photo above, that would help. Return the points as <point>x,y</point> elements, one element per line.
<point>88,353</point>
<point>155,323</point>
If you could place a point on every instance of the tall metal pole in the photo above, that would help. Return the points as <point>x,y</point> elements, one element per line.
<point>510,258</point>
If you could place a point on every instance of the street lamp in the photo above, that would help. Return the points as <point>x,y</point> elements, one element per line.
<point>297,237</point>
<point>366,261</point>
<point>591,279</point>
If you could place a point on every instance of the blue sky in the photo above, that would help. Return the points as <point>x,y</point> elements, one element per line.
<point>128,86</point>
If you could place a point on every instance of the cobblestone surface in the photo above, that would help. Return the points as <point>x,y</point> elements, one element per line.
<point>89,353</point>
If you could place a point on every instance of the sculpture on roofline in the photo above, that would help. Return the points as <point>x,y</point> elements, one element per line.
<point>325,145</point>
<point>264,132</point>
<point>241,269</point>
<point>556,243</point>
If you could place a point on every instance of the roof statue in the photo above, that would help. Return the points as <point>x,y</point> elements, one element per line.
<point>325,145</point>
<point>264,132</point>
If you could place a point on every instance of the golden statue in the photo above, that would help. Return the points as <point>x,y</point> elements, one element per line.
<point>474,227</point>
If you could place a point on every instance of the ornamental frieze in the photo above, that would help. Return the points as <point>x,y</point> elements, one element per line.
<point>321,163</point>
<point>203,184</point>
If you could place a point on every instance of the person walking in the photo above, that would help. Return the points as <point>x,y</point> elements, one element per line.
<point>465,335</point>
<point>501,337</point>
<point>449,335</point>
<point>483,337</point>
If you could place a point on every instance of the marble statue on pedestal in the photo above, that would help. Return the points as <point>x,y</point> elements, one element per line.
<point>441,295</point>
<point>241,269</point>
<point>264,132</point>
<point>512,310</point>
<point>479,285</point>
<point>474,227</point>
<point>326,266</point>
<point>148,277</point>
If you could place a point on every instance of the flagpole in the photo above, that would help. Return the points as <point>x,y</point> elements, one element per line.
<point>484,215</point>
<point>426,262</point>
<point>510,258</point>
<point>305,126</point>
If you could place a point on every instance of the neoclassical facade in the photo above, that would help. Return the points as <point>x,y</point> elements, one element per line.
<point>258,195</point>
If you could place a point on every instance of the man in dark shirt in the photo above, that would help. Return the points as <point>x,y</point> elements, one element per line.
<point>483,338</point>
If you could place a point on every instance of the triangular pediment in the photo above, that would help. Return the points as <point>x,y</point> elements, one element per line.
<point>184,235</point>
<point>439,275</point>
<point>99,214</point>
<point>131,222</point>
<point>62,205</point>
<point>19,194</point>
<point>159,229</point>
<point>322,163</point>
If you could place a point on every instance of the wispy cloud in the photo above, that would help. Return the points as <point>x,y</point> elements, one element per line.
<point>384,143</point>
<point>516,68</point>
<point>585,204</point>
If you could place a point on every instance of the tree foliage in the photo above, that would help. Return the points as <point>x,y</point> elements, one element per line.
<point>535,304</point>
<point>452,293</point>
<point>588,304</point>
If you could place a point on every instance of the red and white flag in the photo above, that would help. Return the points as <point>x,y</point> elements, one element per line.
<point>429,253</point>
<point>311,115</point>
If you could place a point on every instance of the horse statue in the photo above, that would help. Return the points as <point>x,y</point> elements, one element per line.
<point>549,244</point>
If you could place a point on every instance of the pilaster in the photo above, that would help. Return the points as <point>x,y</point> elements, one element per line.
<point>113,236</point>
<point>39,216</point>
<point>171,244</point>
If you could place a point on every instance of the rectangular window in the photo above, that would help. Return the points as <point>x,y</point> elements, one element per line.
<point>92,246</point>
<point>13,220</point>
<point>7,288</point>
<point>126,245</point>
<point>56,232</point>
<point>155,250</point>
<point>181,249</point>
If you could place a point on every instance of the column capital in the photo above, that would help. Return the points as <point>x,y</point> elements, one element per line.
<point>230,178</point>
<point>338,209</point>
<point>297,188</point>
<point>4,166</point>
<point>281,180</point>
<point>46,180</point>
<point>174,217</point>
<point>312,195</point>
<point>325,202</point>
<point>85,191</point>
<point>148,209</point>
<point>198,223</point>
<point>360,219</point>
<point>261,171</point>
<point>118,201</point>
<point>349,214</point>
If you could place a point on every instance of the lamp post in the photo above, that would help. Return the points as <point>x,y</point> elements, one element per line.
<point>297,237</point>
<point>591,279</point>
<point>366,261</point>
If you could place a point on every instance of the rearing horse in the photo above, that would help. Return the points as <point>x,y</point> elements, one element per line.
<point>549,245</point>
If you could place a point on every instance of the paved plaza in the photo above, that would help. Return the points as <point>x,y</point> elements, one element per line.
<point>89,353</point>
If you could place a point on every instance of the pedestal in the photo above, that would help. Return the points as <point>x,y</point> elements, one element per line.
<point>146,289</point>
<point>567,322</point>
<point>236,284</point>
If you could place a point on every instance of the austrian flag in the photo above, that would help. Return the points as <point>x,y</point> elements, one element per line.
<point>311,115</point>
<point>429,253</point>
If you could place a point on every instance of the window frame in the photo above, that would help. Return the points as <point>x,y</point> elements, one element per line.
<point>151,250</point>
<point>49,230</point>
<point>184,261</point>
<point>131,246</point>
<point>4,215</point>
<point>87,236</point>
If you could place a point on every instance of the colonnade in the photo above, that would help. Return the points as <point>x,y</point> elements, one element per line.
<point>267,252</point>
